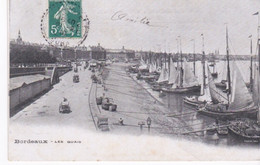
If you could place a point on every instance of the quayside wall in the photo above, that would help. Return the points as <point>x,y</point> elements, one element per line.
<point>26,92</point>
<point>28,83</point>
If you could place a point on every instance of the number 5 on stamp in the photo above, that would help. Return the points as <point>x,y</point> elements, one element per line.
<point>65,18</point>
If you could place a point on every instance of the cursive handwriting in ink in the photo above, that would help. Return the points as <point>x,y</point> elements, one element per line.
<point>120,15</point>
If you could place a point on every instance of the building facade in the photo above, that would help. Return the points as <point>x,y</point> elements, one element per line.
<point>97,52</point>
<point>121,54</point>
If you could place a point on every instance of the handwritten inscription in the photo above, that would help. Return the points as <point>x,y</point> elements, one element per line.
<point>120,15</point>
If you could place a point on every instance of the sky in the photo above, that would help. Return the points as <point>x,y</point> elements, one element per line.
<point>168,19</point>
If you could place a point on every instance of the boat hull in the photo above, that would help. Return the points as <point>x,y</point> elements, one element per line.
<point>252,112</point>
<point>156,88</point>
<point>193,102</point>
<point>182,89</point>
<point>243,137</point>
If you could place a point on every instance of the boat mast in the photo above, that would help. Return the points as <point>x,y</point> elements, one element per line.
<point>228,66</point>
<point>258,44</point>
<point>165,60</point>
<point>214,63</point>
<point>194,57</point>
<point>203,62</point>
<point>150,57</point>
<point>181,69</point>
<point>169,64</point>
<point>178,64</point>
<point>251,64</point>
<point>258,48</point>
<point>177,53</point>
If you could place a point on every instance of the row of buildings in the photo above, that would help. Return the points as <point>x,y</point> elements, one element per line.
<point>22,51</point>
<point>20,48</point>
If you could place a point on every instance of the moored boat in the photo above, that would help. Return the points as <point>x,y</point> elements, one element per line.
<point>186,83</point>
<point>248,130</point>
<point>193,101</point>
<point>238,101</point>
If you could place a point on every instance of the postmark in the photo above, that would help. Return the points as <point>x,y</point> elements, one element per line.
<point>65,18</point>
<point>67,39</point>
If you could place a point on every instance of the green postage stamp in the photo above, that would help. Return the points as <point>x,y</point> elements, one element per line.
<point>65,19</point>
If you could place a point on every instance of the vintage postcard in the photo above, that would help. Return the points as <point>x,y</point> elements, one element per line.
<point>131,80</point>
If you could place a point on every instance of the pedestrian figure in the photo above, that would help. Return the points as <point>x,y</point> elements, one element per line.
<point>121,121</point>
<point>149,122</point>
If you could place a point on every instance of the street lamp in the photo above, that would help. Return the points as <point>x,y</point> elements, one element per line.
<point>149,122</point>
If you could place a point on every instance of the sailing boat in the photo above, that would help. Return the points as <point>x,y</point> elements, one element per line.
<point>239,101</point>
<point>249,130</point>
<point>143,65</point>
<point>152,68</point>
<point>186,81</point>
<point>143,68</point>
<point>204,97</point>
<point>172,73</point>
<point>246,129</point>
<point>163,78</point>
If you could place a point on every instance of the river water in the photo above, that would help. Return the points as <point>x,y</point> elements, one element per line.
<point>159,108</point>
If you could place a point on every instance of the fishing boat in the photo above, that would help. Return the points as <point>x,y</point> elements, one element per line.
<point>195,101</point>
<point>199,101</point>
<point>152,68</point>
<point>173,74</point>
<point>240,103</point>
<point>238,100</point>
<point>248,130</point>
<point>162,80</point>
<point>143,66</point>
<point>184,83</point>
<point>153,76</point>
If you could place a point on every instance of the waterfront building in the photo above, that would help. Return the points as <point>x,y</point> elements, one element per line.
<point>121,54</point>
<point>97,52</point>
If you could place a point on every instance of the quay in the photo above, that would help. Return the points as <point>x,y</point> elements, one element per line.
<point>28,83</point>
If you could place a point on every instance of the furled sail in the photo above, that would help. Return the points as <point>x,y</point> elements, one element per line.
<point>189,79</point>
<point>240,96</point>
<point>173,73</point>
<point>217,96</point>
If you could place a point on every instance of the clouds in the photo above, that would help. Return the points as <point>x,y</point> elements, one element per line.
<point>172,18</point>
